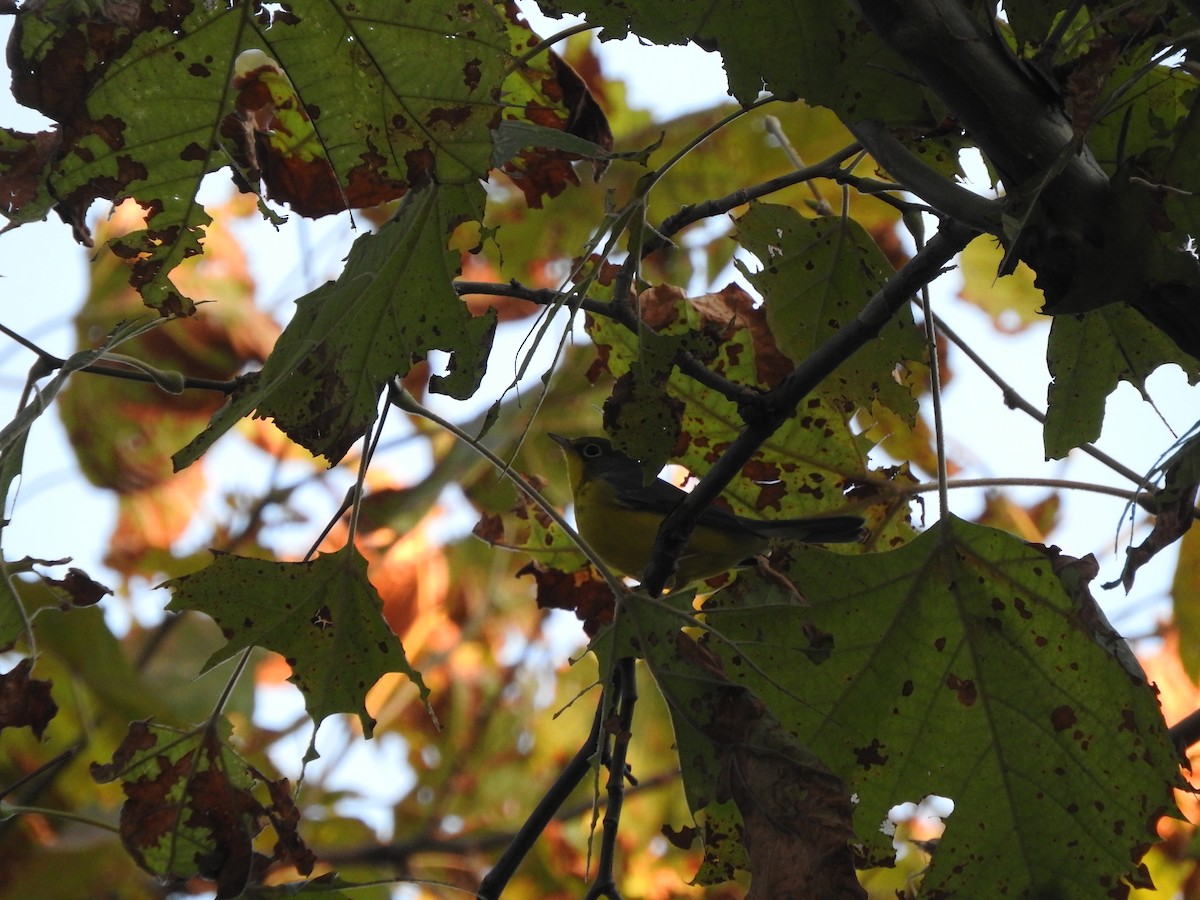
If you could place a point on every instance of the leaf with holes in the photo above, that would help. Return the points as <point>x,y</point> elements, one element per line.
<point>816,276</point>
<point>392,305</point>
<point>323,617</point>
<point>971,665</point>
<point>1088,356</point>
<point>329,106</point>
<point>190,808</point>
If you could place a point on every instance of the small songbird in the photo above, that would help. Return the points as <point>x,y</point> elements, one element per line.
<point>619,517</point>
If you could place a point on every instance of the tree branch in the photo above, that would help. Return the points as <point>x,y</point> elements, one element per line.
<point>687,215</point>
<point>625,692</point>
<point>506,866</point>
<point>778,404</point>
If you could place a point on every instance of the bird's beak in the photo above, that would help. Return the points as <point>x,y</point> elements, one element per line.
<point>563,442</point>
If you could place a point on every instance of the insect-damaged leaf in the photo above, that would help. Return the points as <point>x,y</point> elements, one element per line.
<point>817,275</point>
<point>324,617</point>
<point>25,701</point>
<point>975,666</point>
<point>392,305</point>
<point>190,810</point>
<point>352,105</point>
<point>1088,355</point>
<point>842,65</point>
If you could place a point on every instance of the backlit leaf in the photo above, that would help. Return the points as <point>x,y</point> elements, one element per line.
<point>339,108</point>
<point>1087,356</point>
<point>190,809</point>
<point>816,276</point>
<point>392,305</point>
<point>827,33</point>
<point>970,665</point>
<point>324,617</point>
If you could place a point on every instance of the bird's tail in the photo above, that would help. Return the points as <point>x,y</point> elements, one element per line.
<point>815,530</point>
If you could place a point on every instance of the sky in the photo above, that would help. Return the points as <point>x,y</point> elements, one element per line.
<point>57,514</point>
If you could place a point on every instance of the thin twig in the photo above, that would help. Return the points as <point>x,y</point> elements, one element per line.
<point>917,228</point>
<point>51,363</point>
<point>1142,499</point>
<point>775,129</point>
<point>623,314</point>
<point>522,842</point>
<point>1013,400</point>
<point>687,215</point>
<point>625,690</point>
<point>550,42</point>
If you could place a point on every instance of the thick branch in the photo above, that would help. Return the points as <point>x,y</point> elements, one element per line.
<point>1017,119</point>
<point>942,194</point>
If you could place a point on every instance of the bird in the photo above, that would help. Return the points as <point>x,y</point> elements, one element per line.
<point>618,515</point>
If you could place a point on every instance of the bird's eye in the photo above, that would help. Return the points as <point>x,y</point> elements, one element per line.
<point>591,451</point>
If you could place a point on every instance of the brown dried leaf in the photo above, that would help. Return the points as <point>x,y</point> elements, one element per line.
<point>582,592</point>
<point>79,587</point>
<point>25,701</point>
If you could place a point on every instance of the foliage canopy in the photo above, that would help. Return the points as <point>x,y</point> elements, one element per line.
<point>520,212</point>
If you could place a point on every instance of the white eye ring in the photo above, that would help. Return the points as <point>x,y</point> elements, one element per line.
<point>592,450</point>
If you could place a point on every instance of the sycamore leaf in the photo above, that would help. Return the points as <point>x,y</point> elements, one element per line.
<point>816,275</point>
<point>548,107</point>
<point>324,617</point>
<point>190,810</point>
<point>816,51</point>
<point>392,305</point>
<point>24,173</point>
<point>971,665</point>
<point>814,463</point>
<point>336,107</point>
<point>1011,300</point>
<point>513,136</point>
<point>1087,356</point>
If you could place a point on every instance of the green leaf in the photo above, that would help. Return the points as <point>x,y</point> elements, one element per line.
<point>817,274</point>
<point>13,620</point>
<point>1185,589</point>
<point>1011,300</point>
<point>971,665</point>
<point>513,136</point>
<point>341,107</point>
<point>820,52</point>
<point>1031,19</point>
<point>392,305</point>
<point>324,617</point>
<point>1087,356</point>
<point>805,467</point>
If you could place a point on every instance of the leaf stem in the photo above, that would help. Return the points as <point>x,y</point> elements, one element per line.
<point>549,42</point>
